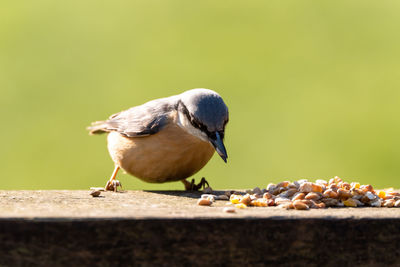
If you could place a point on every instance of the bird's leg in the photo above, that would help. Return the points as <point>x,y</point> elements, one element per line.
<point>112,184</point>
<point>189,186</point>
<point>195,187</point>
<point>202,184</point>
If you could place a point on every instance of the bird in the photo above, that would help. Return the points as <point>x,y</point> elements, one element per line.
<point>166,139</point>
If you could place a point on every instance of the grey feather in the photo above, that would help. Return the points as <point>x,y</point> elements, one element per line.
<point>143,120</point>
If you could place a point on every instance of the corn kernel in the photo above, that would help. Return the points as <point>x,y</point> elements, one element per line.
<point>235,199</point>
<point>350,202</point>
<point>382,194</point>
<point>241,206</point>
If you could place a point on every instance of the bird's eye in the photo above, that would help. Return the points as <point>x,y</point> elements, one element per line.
<point>212,135</point>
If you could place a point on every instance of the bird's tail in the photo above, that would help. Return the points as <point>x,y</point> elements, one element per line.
<point>98,127</point>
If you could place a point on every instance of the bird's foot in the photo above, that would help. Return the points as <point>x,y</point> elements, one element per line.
<point>112,185</point>
<point>195,187</point>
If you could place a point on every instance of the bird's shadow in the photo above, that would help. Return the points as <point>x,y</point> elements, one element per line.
<point>182,193</point>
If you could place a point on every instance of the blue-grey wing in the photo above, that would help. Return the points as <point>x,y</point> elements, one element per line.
<point>143,120</point>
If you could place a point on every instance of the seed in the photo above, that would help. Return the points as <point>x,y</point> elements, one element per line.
<point>288,193</point>
<point>355,185</point>
<point>382,194</point>
<point>95,193</point>
<point>283,184</point>
<point>307,195</point>
<point>329,193</point>
<point>209,196</point>
<point>235,199</point>
<point>389,203</point>
<point>271,202</point>
<point>302,181</point>
<point>358,202</point>
<point>228,193</point>
<point>307,202</point>
<point>281,200</point>
<point>395,194</point>
<point>257,190</point>
<point>299,205</point>
<point>229,210</point>
<point>204,202</point>
<point>350,202</point>
<point>330,202</point>
<point>365,199</point>
<point>321,182</point>
<point>282,189</point>
<point>298,196</point>
<point>267,195</point>
<point>333,187</point>
<point>246,199</point>
<point>261,202</point>
<point>369,187</point>
<point>337,179</point>
<point>346,186</point>
<point>257,196</point>
<point>370,196</point>
<point>306,187</point>
<point>271,187</point>
<point>333,194</point>
<point>317,188</point>
<point>312,196</point>
<point>366,188</point>
<point>357,191</point>
<point>343,193</point>
<point>376,203</point>
<point>313,204</point>
<point>276,191</point>
<point>253,197</point>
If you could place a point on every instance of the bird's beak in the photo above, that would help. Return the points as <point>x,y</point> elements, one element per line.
<point>219,146</point>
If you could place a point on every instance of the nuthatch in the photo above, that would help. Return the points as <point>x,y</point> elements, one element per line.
<point>166,139</point>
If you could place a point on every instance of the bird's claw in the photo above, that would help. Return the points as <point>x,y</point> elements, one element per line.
<point>112,185</point>
<point>196,187</point>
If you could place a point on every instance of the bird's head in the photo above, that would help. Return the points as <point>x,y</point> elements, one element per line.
<point>203,113</point>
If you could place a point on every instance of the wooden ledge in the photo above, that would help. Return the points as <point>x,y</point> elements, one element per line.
<point>168,228</point>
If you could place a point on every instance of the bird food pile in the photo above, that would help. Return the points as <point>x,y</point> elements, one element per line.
<point>303,195</point>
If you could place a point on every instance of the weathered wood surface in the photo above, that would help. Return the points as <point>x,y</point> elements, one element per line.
<point>168,228</point>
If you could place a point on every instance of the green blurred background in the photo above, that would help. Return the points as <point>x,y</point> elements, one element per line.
<point>312,86</point>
